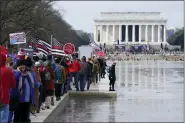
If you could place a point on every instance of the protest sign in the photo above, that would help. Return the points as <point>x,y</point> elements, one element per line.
<point>17,38</point>
<point>69,48</point>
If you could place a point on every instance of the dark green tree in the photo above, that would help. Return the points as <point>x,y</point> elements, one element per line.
<point>177,38</point>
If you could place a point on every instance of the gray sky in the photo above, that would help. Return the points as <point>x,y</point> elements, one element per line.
<point>80,14</point>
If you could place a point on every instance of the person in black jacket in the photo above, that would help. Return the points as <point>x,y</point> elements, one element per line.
<point>63,63</point>
<point>101,67</point>
<point>89,77</point>
<point>112,77</point>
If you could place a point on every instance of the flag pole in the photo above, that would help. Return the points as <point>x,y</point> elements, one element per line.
<point>51,40</point>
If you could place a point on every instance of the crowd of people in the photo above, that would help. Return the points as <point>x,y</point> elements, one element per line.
<point>32,84</point>
<point>121,55</point>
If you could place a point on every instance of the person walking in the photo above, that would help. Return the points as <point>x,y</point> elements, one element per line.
<point>49,78</point>
<point>42,70</point>
<point>112,77</point>
<point>95,71</point>
<point>13,100</point>
<point>7,82</point>
<point>103,69</point>
<point>83,73</point>
<point>74,69</point>
<point>37,90</point>
<point>50,58</point>
<point>89,77</point>
<point>61,79</point>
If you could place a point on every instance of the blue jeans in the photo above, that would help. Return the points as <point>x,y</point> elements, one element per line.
<point>75,75</point>
<point>82,79</point>
<point>62,89</point>
<point>4,113</point>
<point>10,117</point>
<point>69,79</point>
<point>41,96</point>
<point>89,81</point>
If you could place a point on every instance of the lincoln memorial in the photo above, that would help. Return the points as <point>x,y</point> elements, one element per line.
<point>130,28</point>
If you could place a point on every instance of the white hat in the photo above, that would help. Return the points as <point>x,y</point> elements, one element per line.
<point>37,64</point>
<point>40,55</point>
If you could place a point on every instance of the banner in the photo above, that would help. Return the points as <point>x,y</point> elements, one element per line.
<point>69,48</point>
<point>17,38</point>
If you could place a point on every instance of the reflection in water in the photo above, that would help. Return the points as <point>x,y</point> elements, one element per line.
<point>112,112</point>
<point>147,74</point>
<point>147,92</point>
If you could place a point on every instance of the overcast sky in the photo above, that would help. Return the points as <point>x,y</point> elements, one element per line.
<point>80,14</point>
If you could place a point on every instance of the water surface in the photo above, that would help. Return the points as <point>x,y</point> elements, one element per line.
<point>148,91</point>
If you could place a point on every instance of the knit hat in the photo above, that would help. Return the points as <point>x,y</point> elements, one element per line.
<point>84,58</point>
<point>21,53</point>
<point>28,62</point>
<point>21,62</point>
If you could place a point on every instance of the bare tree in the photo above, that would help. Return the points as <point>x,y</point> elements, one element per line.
<point>39,18</point>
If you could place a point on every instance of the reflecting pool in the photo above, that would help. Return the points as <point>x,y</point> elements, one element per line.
<point>148,91</point>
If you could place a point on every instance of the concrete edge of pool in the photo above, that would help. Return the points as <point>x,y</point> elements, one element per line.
<point>44,114</point>
<point>102,94</point>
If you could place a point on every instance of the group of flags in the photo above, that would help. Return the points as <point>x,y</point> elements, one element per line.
<point>92,43</point>
<point>55,48</point>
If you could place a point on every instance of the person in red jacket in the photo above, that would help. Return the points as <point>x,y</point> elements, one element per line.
<point>7,81</point>
<point>74,68</point>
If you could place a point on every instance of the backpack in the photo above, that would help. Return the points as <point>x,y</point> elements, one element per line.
<point>95,70</point>
<point>58,71</point>
<point>84,68</point>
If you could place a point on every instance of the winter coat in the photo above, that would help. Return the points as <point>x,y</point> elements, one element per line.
<point>21,88</point>
<point>85,68</point>
<point>112,74</point>
<point>37,73</point>
<point>91,68</point>
<point>50,83</point>
<point>7,81</point>
<point>74,66</point>
<point>61,74</point>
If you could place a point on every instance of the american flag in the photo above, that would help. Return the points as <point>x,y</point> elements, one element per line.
<point>57,47</point>
<point>44,47</point>
<point>39,46</point>
<point>93,44</point>
<point>32,43</point>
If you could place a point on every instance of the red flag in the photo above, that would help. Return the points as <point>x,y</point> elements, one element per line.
<point>100,54</point>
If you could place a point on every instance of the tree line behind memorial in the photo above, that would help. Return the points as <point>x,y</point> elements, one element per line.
<point>39,19</point>
<point>177,38</point>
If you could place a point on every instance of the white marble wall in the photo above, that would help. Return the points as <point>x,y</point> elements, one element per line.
<point>106,35</point>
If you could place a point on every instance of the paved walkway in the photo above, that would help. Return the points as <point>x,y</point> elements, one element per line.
<point>40,117</point>
<point>102,86</point>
